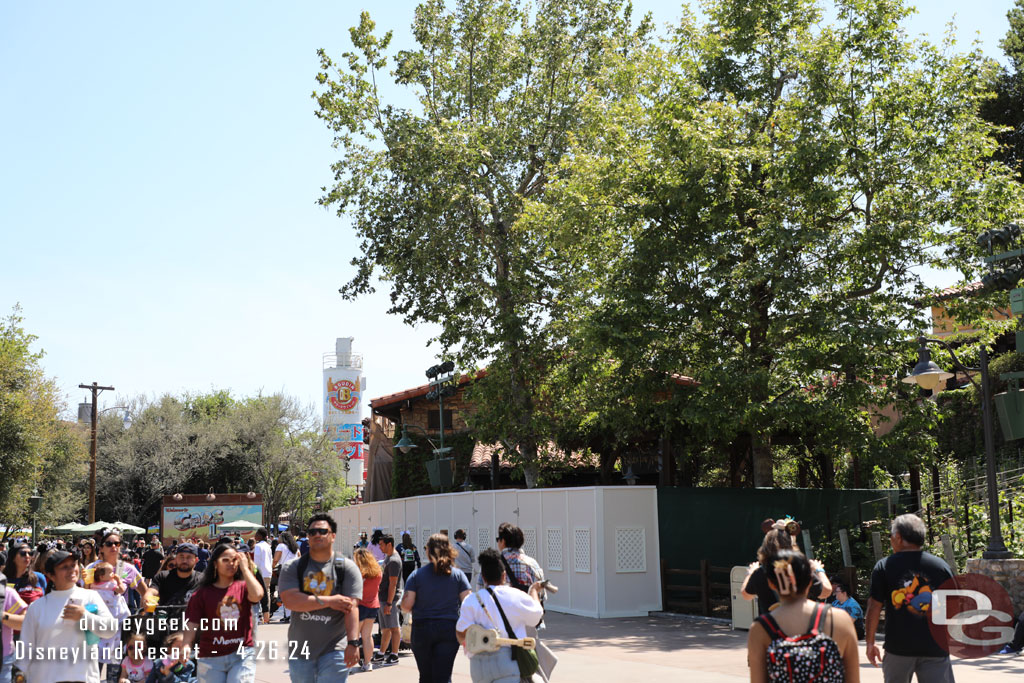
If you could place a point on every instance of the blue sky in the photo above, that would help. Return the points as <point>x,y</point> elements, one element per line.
<point>161,165</point>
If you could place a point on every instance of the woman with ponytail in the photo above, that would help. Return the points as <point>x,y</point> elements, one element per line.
<point>433,595</point>
<point>800,640</point>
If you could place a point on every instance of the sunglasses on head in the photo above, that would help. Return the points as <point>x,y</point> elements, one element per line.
<point>111,544</point>
<point>318,532</point>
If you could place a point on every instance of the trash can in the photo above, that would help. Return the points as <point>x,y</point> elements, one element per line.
<point>744,612</point>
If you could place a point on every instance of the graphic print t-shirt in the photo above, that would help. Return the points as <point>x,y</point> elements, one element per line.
<point>229,604</point>
<point>136,671</point>
<point>903,583</point>
<point>323,629</point>
<point>173,589</point>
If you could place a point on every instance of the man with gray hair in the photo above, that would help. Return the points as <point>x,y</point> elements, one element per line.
<point>903,583</point>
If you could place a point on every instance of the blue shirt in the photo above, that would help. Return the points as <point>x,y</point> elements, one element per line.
<point>437,596</point>
<point>851,607</point>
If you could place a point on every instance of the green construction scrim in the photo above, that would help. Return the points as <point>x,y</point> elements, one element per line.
<point>723,525</point>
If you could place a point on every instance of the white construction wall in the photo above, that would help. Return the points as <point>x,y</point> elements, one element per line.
<point>599,545</point>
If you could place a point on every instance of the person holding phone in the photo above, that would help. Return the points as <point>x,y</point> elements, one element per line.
<point>54,620</point>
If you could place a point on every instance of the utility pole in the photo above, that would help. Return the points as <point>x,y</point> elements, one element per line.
<point>96,389</point>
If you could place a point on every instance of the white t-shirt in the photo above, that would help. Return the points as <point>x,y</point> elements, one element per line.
<point>264,558</point>
<point>520,608</point>
<point>286,554</point>
<point>44,628</point>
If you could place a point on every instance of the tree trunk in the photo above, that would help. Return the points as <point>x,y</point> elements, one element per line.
<point>761,454</point>
<point>915,486</point>
<point>608,468</point>
<point>827,469</point>
<point>738,451</point>
<point>531,470</point>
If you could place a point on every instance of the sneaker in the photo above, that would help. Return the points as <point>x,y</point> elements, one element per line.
<point>1007,650</point>
<point>378,656</point>
<point>284,620</point>
<point>391,659</point>
<point>366,667</point>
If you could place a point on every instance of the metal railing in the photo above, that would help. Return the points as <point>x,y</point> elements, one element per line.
<point>342,360</point>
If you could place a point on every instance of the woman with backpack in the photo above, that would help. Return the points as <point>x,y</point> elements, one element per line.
<point>410,555</point>
<point>800,640</point>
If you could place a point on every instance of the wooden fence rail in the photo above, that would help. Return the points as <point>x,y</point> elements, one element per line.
<point>705,591</point>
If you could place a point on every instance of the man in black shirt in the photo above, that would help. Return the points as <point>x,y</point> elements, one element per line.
<point>174,587</point>
<point>903,583</point>
<point>151,560</point>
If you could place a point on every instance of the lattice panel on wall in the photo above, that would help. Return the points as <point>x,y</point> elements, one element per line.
<point>426,536</point>
<point>581,550</point>
<point>483,539</point>
<point>355,538</point>
<point>412,533</point>
<point>530,542</point>
<point>554,549</point>
<point>630,549</point>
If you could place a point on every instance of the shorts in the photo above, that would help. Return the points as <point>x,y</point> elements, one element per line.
<point>390,620</point>
<point>368,612</point>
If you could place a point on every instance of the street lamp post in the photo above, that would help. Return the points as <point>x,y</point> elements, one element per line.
<point>928,375</point>
<point>35,502</point>
<point>442,474</point>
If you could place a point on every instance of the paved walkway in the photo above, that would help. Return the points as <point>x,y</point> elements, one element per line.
<point>640,649</point>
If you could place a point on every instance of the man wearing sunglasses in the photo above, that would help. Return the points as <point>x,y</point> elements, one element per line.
<point>322,590</point>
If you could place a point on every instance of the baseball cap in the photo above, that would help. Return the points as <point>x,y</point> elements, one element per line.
<point>55,558</point>
<point>188,548</point>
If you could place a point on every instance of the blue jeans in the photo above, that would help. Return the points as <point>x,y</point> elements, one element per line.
<point>5,671</point>
<point>328,667</point>
<point>232,668</point>
<point>434,646</point>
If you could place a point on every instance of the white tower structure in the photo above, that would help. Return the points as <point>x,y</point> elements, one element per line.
<point>343,386</point>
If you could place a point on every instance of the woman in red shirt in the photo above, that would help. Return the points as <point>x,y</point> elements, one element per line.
<point>370,603</point>
<point>223,606</point>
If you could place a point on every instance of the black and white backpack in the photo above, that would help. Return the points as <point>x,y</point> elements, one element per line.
<point>812,656</point>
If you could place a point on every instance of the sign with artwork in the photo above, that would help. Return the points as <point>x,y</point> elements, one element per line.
<point>201,522</point>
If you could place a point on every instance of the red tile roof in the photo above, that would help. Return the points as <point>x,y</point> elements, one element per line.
<point>416,392</point>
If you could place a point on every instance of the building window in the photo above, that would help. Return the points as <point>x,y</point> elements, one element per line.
<point>434,420</point>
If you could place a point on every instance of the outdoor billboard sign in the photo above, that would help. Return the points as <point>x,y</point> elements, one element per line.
<point>185,522</point>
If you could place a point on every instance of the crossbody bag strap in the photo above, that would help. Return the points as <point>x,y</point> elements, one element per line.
<point>513,581</point>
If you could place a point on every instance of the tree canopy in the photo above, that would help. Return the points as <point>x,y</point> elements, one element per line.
<point>39,452</point>
<point>198,443</point>
<point>750,202</point>
<point>435,191</point>
<point>753,203</point>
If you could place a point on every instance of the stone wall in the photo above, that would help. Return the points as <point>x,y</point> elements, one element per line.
<point>1008,573</point>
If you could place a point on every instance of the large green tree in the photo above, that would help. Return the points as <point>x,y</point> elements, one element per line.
<point>435,185</point>
<point>39,452</point>
<point>753,203</point>
<point>1006,109</point>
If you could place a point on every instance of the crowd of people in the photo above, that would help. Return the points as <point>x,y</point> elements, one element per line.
<point>64,599</point>
<point>798,638</point>
<point>88,610</point>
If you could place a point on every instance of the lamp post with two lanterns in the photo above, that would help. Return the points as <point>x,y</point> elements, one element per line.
<point>927,375</point>
<point>441,470</point>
